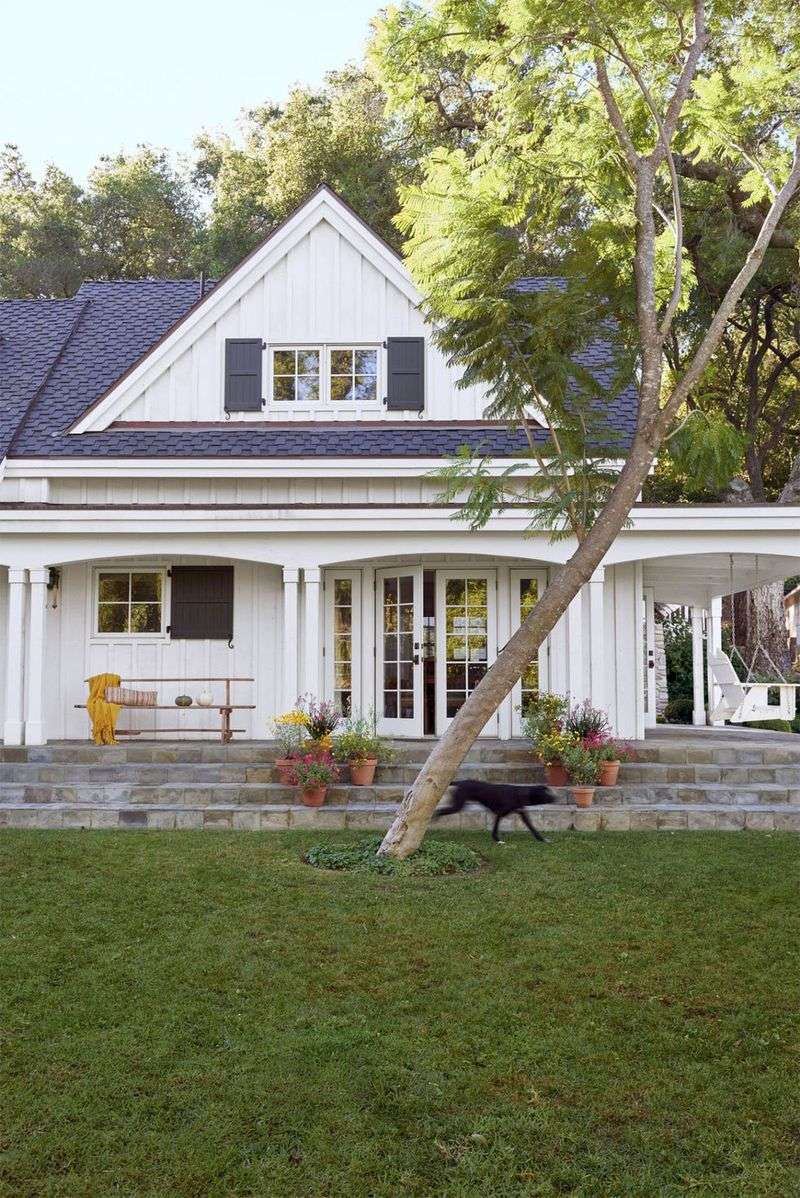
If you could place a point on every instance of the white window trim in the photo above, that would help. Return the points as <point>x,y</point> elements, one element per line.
<point>324,402</point>
<point>96,635</point>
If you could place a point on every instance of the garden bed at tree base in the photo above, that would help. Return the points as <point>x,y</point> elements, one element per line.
<point>433,859</point>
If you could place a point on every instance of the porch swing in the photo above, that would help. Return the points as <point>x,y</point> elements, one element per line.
<point>746,701</point>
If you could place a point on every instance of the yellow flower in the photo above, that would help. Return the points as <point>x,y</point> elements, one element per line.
<point>293,718</point>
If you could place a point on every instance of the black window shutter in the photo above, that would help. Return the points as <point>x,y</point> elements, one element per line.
<point>243,374</point>
<point>202,603</point>
<point>405,359</point>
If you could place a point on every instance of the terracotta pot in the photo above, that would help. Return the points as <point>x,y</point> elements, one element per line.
<point>314,796</point>
<point>583,795</point>
<point>362,773</point>
<point>284,767</point>
<point>555,774</point>
<point>609,772</point>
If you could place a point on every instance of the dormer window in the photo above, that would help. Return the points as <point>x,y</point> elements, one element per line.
<point>295,375</point>
<point>332,376</point>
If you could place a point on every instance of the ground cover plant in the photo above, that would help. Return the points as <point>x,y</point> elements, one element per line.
<point>436,859</point>
<point>200,1014</point>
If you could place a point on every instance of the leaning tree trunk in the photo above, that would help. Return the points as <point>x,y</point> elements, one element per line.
<point>416,809</point>
<point>760,621</point>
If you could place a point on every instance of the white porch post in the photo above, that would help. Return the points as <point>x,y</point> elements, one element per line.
<point>597,634</point>
<point>699,708</point>
<point>576,668</point>
<point>290,646</point>
<point>713,645</point>
<point>15,656</point>
<point>34,715</point>
<point>311,631</point>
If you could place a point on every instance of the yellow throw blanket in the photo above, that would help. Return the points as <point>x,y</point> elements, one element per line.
<point>102,713</point>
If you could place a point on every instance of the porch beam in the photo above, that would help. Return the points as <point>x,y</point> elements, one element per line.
<point>37,632</point>
<point>15,656</point>
<point>698,689</point>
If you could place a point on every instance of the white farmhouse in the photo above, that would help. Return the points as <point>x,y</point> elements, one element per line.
<point>232,481</point>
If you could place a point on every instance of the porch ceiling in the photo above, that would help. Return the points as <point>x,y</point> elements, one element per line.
<point>694,578</point>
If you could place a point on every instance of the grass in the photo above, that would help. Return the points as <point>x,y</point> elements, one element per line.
<point>204,1015</point>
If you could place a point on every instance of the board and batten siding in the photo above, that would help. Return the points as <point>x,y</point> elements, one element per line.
<point>76,654</point>
<point>323,291</point>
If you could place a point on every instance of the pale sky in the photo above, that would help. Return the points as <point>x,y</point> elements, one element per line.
<point>82,78</point>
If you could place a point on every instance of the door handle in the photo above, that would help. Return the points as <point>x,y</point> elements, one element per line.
<point>416,659</point>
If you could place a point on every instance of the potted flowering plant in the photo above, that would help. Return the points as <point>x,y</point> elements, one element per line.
<point>552,748</point>
<point>360,747</point>
<point>290,730</point>
<point>589,724</point>
<point>611,754</point>
<point>583,766</point>
<point>542,715</point>
<point>321,718</point>
<point>313,773</point>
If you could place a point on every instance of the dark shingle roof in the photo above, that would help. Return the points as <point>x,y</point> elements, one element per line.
<point>58,357</point>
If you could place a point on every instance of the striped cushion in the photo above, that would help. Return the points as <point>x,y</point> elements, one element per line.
<point>130,698</point>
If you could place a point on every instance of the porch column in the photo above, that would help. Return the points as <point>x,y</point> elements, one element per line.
<point>34,714</point>
<point>576,684</point>
<point>597,636</point>
<point>311,631</point>
<point>290,670</point>
<point>15,656</point>
<point>698,694</point>
<point>713,645</point>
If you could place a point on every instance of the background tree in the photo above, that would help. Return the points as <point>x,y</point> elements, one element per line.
<point>338,134</point>
<point>580,114</point>
<point>137,216</point>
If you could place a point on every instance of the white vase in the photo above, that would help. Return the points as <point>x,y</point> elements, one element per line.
<point>204,699</point>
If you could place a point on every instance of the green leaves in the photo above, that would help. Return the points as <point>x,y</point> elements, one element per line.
<point>707,449</point>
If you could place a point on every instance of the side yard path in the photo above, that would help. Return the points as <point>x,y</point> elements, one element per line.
<point>195,1015</point>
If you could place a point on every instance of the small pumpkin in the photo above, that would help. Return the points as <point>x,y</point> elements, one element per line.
<point>183,701</point>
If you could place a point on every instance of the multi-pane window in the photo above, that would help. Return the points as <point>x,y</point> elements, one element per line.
<point>528,598</point>
<point>296,375</point>
<point>398,647</point>
<point>353,375</point>
<point>343,645</point>
<point>325,375</point>
<point>130,601</point>
<point>466,638</point>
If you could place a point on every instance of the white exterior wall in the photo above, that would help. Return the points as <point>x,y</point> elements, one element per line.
<point>323,291</point>
<point>76,654</point>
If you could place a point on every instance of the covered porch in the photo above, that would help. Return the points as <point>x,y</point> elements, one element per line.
<point>401,620</point>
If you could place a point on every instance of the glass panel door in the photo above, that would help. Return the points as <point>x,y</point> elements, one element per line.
<point>466,646</point>
<point>526,589</point>
<point>398,626</point>
<point>343,639</point>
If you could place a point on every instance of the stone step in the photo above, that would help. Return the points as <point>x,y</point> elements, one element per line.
<point>377,817</point>
<point>264,791</point>
<point>671,754</point>
<point>212,773</point>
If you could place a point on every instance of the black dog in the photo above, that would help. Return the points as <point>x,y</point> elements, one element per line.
<point>501,799</point>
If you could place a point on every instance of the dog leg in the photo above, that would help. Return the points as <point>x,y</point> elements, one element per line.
<point>523,815</point>
<point>453,809</point>
<point>495,827</point>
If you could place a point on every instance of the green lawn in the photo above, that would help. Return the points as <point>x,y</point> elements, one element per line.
<point>202,1014</point>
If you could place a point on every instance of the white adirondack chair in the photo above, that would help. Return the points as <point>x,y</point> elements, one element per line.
<point>743,702</point>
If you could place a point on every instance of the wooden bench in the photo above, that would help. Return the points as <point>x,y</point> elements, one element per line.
<point>224,709</point>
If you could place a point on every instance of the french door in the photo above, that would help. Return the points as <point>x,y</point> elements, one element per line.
<point>398,626</point>
<point>466,639</point>
<point>526,587</point>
